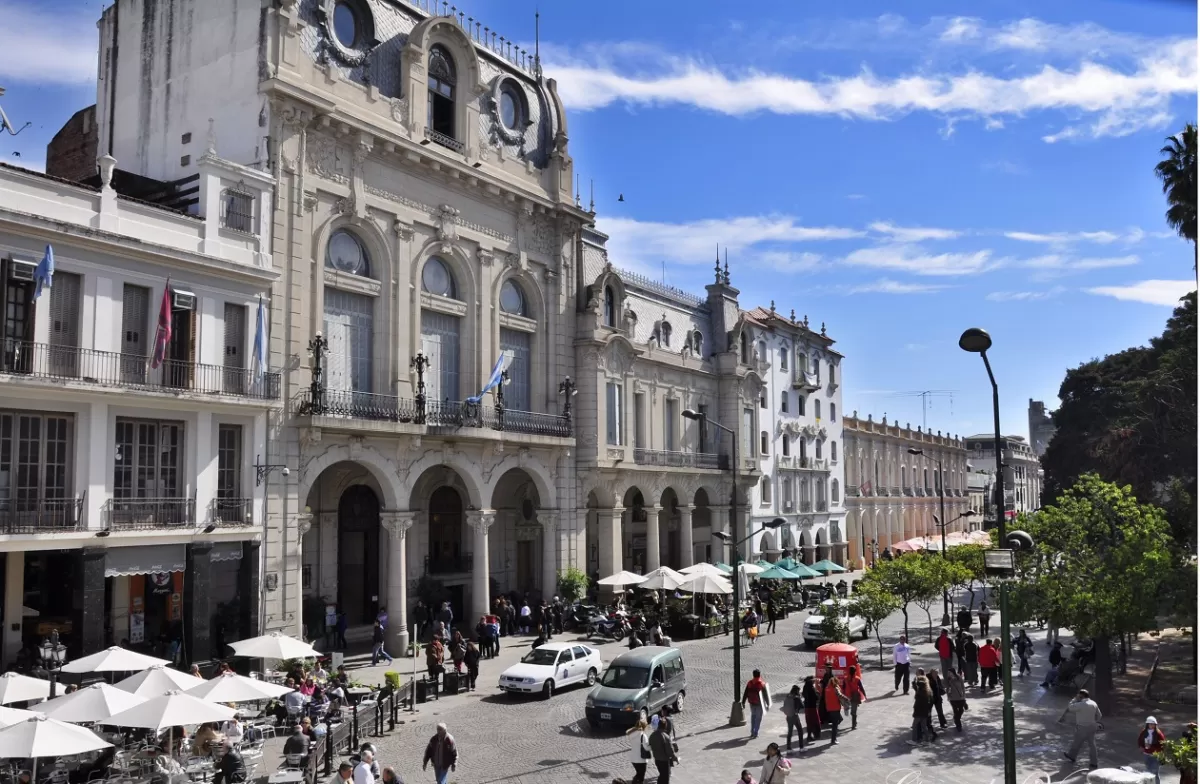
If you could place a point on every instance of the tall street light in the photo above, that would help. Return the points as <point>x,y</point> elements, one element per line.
<point>977,341</point>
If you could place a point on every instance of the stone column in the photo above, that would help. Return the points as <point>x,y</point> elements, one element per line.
<point>652,543</point>
<point>745,520</point>
<point>549,520</point>
<point>608,526</point>
<point>480,522</point>
<point>197,597</point>
<point>397,525</point>
<point>686,546</point>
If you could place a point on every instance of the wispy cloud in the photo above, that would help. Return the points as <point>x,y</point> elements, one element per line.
<point>1151,292</point>
<point>916,260</point>
<point>1130,236</point>
<point>1066,264</point>
<point>784,261</point>
<point>1024,296</point>
<point>912,234</point>
<point>886,286</point>
<point>1109,99</point>
<point>48,46</point>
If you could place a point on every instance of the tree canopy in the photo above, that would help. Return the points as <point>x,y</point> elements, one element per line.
<point>872,602</point>
<point>906,578</point>
<point>1177,171</point>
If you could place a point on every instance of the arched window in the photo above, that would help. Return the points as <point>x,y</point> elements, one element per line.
<point>610,307</point>
<point>816,366</point>
<point>803,442</point>
<point>834,490</point>
<point>800,405</point>
<point>903,477</point>
<point>440,333</point>
<point>833,450</point>
<point>817,409</point>
<point>345,253</point>
<point>818,447</point>
<point>442,80</point>
<point>762,400</point>
<point>512,299</point>
<point>783,352</point>
<point>783,401</point>
<point>766,489</point>
<point>665,334</point>
<point>801,362</point>
<point>833,413</point>
<point>437,279</point>
<point>787,449</point>
<point>698,343</point>
<point>512,107</point>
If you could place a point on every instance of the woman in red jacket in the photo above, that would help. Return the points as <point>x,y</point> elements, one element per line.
<point>1150,741</point>
<point>988,666</point>
<point>852,687</point>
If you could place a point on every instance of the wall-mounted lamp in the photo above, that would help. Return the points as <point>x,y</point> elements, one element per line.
<point>261,470</point>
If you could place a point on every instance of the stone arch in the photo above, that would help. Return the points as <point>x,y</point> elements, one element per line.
<point>533,467</point>
<point>535,294</point>
<point>807,550</point>
<point>523,541</point>
<point>382,469</point>
<point>459,262</point>
<point>445,31</point>
<point>379,252</point>
<point>455,462</point>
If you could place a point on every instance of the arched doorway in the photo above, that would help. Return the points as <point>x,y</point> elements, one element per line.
<point>447,552</point>
<point>702,548</point>
<point>358,554</point>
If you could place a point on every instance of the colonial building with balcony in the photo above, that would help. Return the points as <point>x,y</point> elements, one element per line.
<point>799,438</point>
<point>892,494</point>
<point>656,484</point>
<point>1023,473</point>
<point>129,497</point>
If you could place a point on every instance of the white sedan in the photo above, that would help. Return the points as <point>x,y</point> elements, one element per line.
<point>813,635</point>
<point>552,666</point>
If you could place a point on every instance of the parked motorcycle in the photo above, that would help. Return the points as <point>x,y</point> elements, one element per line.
<point>579,616</point>
<point>612,628</point>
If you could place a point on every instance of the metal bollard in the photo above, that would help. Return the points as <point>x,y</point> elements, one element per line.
<point>328,748</point>
<point>392,707</point>
<point>354,728</point>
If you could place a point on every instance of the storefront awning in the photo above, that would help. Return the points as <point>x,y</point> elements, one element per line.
<point>148,559</point>
<point>226,551</point>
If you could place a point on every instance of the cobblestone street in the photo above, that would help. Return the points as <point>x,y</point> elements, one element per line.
<point>531,741</point>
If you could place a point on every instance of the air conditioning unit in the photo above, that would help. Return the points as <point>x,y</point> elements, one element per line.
<point>21,270</point>
<point>183,300</point>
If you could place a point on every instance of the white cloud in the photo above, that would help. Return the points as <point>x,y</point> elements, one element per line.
<point>784,261</point>
<point>1069,264</point>
<point>912,234</point>
<point>915,260</point>
<point>961,29</point>
<point>47,46</point>
<point>1115,99</point>
<point>1151,292</point>
<point>886,286</point>
<point>1071,237</point>
<point>1024,296</point>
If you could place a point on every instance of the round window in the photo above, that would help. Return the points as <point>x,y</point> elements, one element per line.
<point>345,25</point>
<point>511,299</point>
<point>510,108</point>
<point>436,279</point>
<point>346,254</point>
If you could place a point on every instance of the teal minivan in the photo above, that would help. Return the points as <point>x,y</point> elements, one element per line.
<point>638,683</point>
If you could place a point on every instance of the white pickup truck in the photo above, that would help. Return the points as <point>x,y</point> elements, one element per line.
<point>812,625</point>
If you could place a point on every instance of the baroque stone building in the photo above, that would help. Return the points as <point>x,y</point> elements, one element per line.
<point>893,495</point>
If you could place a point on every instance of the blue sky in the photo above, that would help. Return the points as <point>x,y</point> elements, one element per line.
<point>899,172</point>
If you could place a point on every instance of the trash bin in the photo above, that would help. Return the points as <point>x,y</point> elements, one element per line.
<point>840,655</point>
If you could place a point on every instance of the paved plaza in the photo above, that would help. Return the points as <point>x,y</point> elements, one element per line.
<point>531,741</point>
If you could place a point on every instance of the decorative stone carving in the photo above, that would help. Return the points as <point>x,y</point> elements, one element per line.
<point>403,230</point>
<point>310,201</point>
<point>485,256</point>
<point>344,205</point>
<point>481,520</point>
<point>400,112</point>
<point>329,159</point>
<point>398,523</point>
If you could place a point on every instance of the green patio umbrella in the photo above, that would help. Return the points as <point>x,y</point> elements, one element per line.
<point>787,563</point>
<point>724,567</point>
<point>803,572</point>
<point>763,564</point>
<point>827,566</point>
<point>777,573</point>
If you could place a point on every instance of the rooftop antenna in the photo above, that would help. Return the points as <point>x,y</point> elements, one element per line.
<point>925,396</point>
<point>537,42</point>
<point>5,125</point>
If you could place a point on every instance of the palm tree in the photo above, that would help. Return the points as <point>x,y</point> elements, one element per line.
<point>1177,170</point>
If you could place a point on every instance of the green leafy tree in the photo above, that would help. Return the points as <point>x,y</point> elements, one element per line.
<point>903,577</point>
<point>970,558</point>
<point>1101,564</point>
<point>572,584</point>
<point>939,574</point>
<point>1181,753</point>
<point>1177,172</point>
<point>873,603</point>
<point>834,627</point>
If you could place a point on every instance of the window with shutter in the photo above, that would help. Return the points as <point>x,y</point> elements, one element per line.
<point>350,330</point>
<point>135,312</point>
<point>440,342</point>
<point>235,343</point>
<point>65,296</point>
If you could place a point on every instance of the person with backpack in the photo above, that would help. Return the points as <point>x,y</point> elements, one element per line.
<point>1024,648</point>
<point>793,706</point>
<point>776,767</point>
<point>956,693</point>
<point>758,695</point>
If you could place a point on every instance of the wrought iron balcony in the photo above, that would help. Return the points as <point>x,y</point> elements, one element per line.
<point>433,414</point>
<point>822,505</point>
<point>449,564</point>
<point>806,505</point>
<point>141,514</point>
<point>231,512</point>
<point>853,492</point>
<point>895,491</point>
<point>132,371</point>
<point>449,142</point>
<point>40,515</point>
<point>651,457</point>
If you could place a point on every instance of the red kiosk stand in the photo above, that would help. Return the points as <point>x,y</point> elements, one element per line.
<point>838,654</point>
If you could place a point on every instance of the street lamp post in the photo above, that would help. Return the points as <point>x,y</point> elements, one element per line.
<point>977,341</point>
<point>874,551</point>
<point>54,656</point>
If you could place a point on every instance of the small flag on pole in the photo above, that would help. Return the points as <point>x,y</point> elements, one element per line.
<point>260,342</point>
<point>495,378</point>
<point>162,336</point>
<point>43,274</point>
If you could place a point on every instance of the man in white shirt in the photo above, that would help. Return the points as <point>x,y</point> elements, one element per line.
<point>902,658</point>
<point>362,772</point>
<point>1087,722</point>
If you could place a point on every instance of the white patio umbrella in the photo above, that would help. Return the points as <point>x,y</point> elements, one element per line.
<point>704,568</point>
<point>231,687</point>
<point>664,578</point>
<point>173,709</point>
<point>749,568</point>
<point>13,715</point>
<point>158,680</point>
<point>705,583</point>
<point>20,688</point>
<point>42,737</point>
<point>114,659</point>
<point>274,646</point>
<point>90,704</point>
<point>622,578</point>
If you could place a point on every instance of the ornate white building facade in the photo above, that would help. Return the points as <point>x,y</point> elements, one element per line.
<point>893,495</point>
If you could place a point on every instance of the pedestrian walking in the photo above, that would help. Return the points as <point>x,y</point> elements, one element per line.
<point>852,687</point>
<point>1024,648</point>
<point>1056,659</point>
<point>377,642</point>
<point>812,710</point>
<point>442,752</point>
<point>342,624</point>
<point>793,706</point>
<point>945,649</point>
<point>662,749</point>
<point>902,659</point>
<point>937,691</point>
<point>956,693</point>
<point>639,750</point>
<point>1150,741</point>
<point>362,771</point>
<point>446,616</point>
<point>964,619</point>
<point>758,695</point>
<point>832,701</point>
<point>960,655</point>
<point>970,660</point>
<point>471,659</point>
<point>772,612</point>
<point>988,665</point>
<point>1087,717</point>
<point>922,703</point>
<point>776,767</point>
<point>985,619</point>
<point>526,616</point>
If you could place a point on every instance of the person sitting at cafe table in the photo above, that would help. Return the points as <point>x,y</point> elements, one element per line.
<point>319,674</point>
<point>294,701</point>
<point>308,687</point>
<point>341,676</point>
<point>233,729</point>
<point>295,748</point>
<point>231,769</point>
<point>206,739</point>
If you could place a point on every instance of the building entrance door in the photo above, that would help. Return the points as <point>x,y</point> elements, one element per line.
<point>358,555</point>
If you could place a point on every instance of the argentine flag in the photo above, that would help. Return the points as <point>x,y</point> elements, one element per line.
<point>495,378</point>
<point>43,274</point>
<point>260,342</point>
